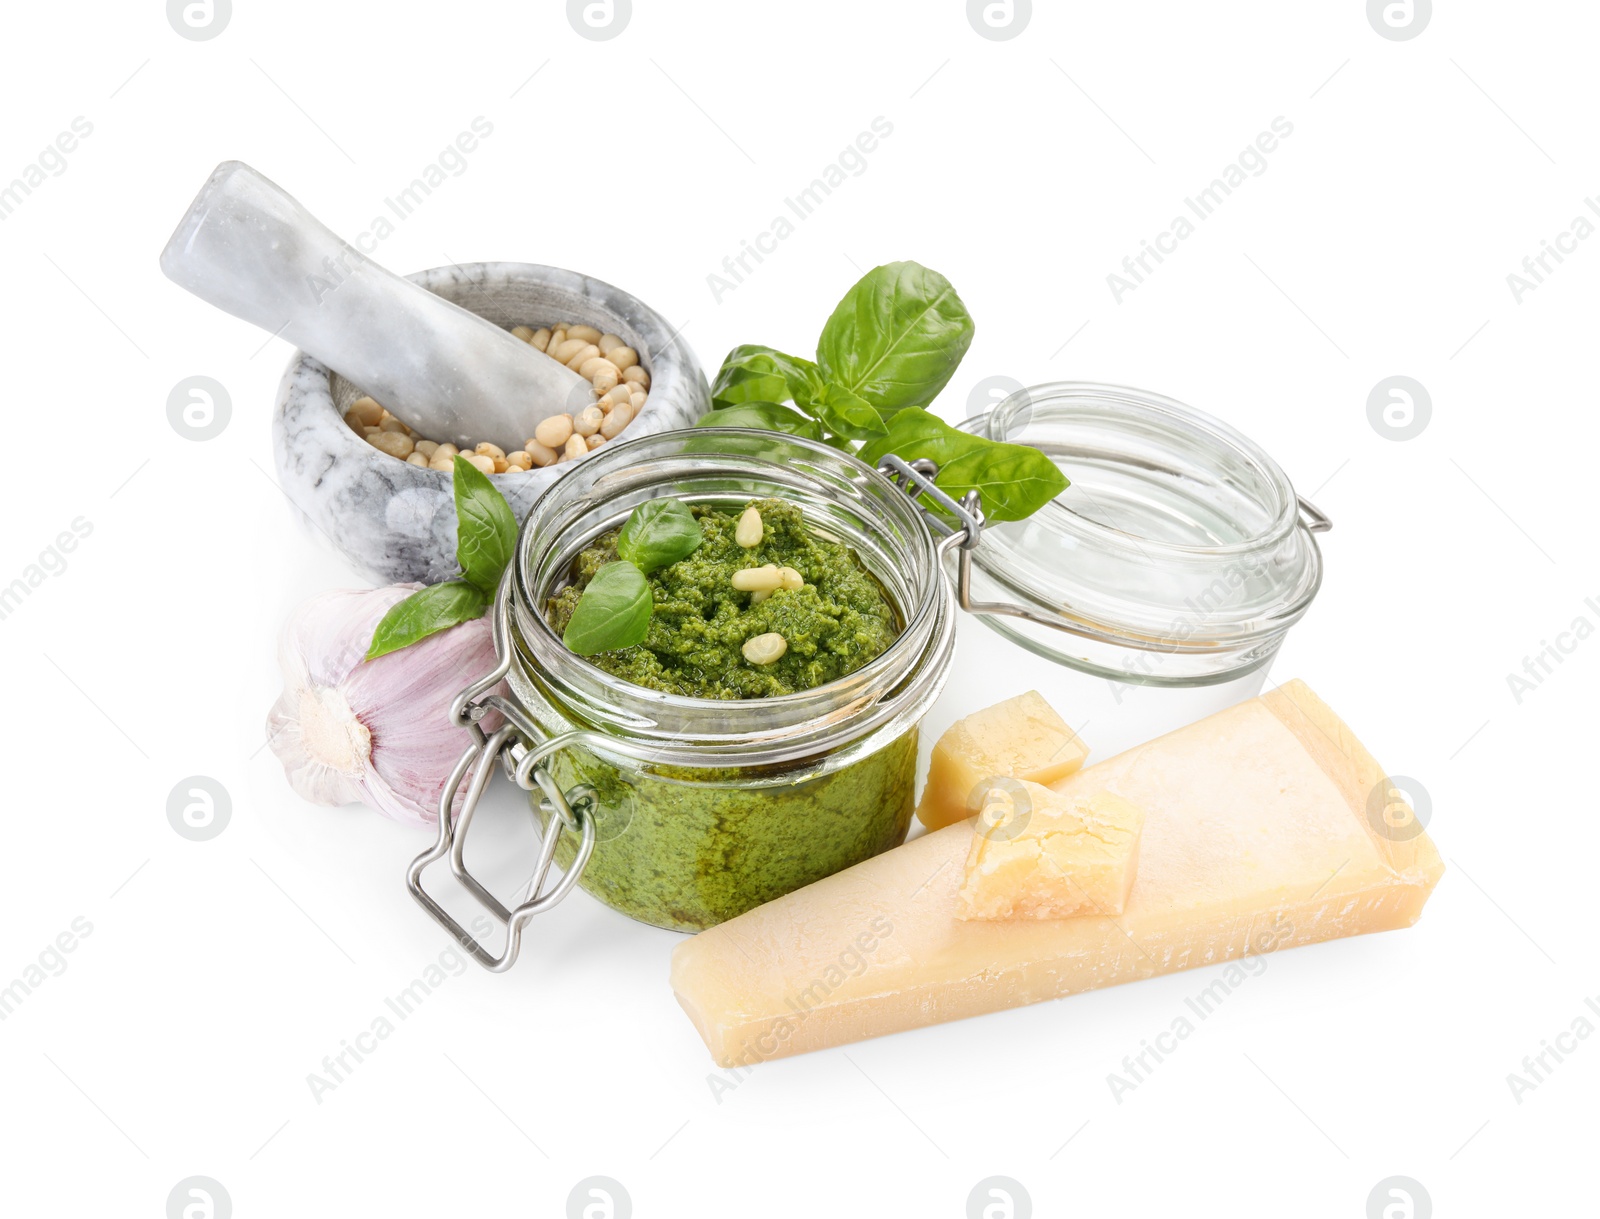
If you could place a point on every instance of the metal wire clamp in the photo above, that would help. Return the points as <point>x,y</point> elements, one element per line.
<point>520,748</point>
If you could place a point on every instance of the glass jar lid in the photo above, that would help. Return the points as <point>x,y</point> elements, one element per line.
<point>1180,552</point>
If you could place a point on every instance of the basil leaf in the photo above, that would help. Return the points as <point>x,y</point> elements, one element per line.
<point>659,532</point>
<point>763,416</point>
<point>613,612</point>
<point>847,414</point>
<point>1013,481</point>
<point>486,530</point>
<point>752,373</point>
<point>425,612</point>
<point>896,337</point>
<point>915,433</point>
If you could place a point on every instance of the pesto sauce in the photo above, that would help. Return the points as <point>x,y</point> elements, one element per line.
<point>687,849</point>
<point>839,621</point>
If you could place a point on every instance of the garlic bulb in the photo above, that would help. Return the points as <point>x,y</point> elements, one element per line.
<point>377,731</point>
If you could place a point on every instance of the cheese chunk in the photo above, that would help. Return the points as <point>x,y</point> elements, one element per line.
<point>1257,836</point>
<point>1053,857</point>
<point>1021,738</point>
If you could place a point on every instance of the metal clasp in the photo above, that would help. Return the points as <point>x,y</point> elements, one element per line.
<point>520,748</point>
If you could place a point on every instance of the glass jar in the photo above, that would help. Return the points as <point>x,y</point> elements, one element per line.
<point>696,810</point>
<point>1158,587</point>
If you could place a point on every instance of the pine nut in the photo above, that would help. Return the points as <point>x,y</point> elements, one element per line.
<point>445,465</point>
<point>553,432</point>
<point>792,580</point>
<point>764,649</point>
<point>576,446</point>
<point>392,424</point>
<point>592,368</point>
<point>587,333</point>
<point>617,395</point>
<point>417,459</point>
<point>637,401</point>
<point>618,419</point>
<point>749,531</point>
<point>427,448</point>
<point>595,441</point>
<point>568,349</point>
<point>542,454</point>
<point>523,333</point>
<point>757,597</point>
<point>587,352</point>
<point>446,450</point>
<point>756,579</point>
<point>486,464</point>
<point>588,421</point>
<point>396,444</point>
<point>605,381</point>
<point>632,373</point>
<point>541,339</point>
<point>491,450</point>
<point>622,356</point>
<point>368,411</point>
<point>520,459</point>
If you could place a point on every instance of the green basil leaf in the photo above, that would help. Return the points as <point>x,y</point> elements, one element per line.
<point>847,414</point>
<point>425,612</point>
<point>613,612</point>
<point>752,373</point>
<point>486,530</point>
<point>659,532</point>
<point>896,337</point>
<point>915,433</point>
<point>763,416</point>
<point>1013,481</point>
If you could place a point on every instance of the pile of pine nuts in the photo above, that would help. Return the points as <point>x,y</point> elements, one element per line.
<point>621,387</point>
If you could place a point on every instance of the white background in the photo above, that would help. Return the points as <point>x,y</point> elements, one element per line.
<point>219,974</point>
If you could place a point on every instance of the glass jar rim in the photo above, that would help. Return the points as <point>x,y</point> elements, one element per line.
<point>839,494</point>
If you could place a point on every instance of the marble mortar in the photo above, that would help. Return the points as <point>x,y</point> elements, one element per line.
<point>396,522</point>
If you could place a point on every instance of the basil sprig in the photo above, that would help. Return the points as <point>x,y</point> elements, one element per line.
<point>615,607</point>
<point>486,539</point>
<point>885,352</point>
<point>659,532</point>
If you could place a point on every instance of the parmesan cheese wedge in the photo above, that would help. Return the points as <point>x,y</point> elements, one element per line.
<point>1020,738</point>
<point>1259,834</point>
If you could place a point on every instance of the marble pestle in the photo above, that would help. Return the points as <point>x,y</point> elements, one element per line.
<point>249,248</point>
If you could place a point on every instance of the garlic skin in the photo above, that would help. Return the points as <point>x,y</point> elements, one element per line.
<point>374,731</point>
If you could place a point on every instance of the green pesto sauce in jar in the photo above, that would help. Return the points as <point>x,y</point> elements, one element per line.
<point>840,620</point>
<point>687,849</point>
